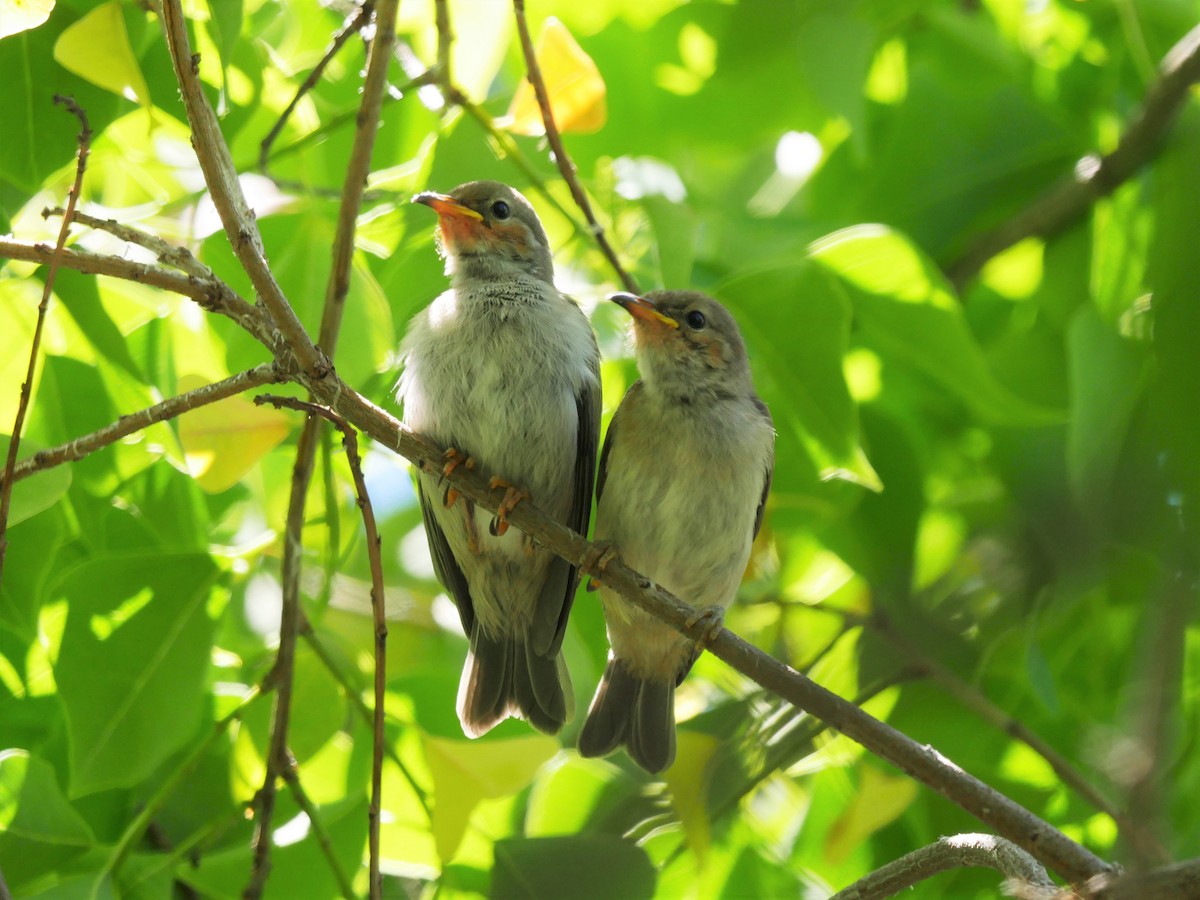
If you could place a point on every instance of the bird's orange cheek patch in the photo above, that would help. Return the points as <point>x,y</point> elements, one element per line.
<point>460,232</point>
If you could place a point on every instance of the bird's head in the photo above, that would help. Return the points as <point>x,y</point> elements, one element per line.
<point>488,230</point>
<point>688,344</point>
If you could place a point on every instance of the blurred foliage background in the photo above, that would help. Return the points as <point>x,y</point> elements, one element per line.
<point>984,501</point>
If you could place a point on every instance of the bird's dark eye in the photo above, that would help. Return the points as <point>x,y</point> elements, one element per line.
<point>695,320</point>
<point>500,209</point>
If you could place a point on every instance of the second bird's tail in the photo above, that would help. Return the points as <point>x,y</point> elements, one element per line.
<point>503,677</point>
<point>636,712</point>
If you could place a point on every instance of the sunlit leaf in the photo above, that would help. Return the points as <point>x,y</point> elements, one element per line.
<point>97,48</point>
<point>573,84</point>
<point>39,491</point>
<point>466,772</point>
<point>39,829</point>
<point>688,780</point>
<point>21,15</point>
<point>224,440</point>
<point>880,798</point>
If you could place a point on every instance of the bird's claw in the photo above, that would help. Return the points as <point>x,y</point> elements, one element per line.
<point>450,497</point>
<point>596,560</point>
<point>453,459</point>
<point>512,496</point>
<point>714,619</point>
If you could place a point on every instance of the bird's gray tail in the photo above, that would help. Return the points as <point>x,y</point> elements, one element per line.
<point>503,677</point>
<point>636,712</point>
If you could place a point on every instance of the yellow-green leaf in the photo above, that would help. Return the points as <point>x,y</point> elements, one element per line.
<point>466,772</point>
<point>573,83</point>
<point>223,441</point>
<point>97,48</point>
<point>21,15</point>
<point>688,780</point>
<point>879,800</point>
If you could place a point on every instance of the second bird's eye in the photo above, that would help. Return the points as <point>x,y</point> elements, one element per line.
<point>695,320</point>
<point>500,209</point>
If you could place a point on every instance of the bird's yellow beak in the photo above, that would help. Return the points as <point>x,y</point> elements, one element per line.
<point>641,308</point>
<point>445,205</point>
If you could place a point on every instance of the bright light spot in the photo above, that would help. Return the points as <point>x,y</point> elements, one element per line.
<point>264,601</point>
<point>797,154</point>
<point>292,831</point>
<point>862,370</point>
<point>1086,168</point>
<point>645,176</point>
<point>445,613</point>
<point>414,554</point>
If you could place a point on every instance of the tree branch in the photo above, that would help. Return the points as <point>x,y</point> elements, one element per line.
<point>222,179</point>
<point>350,442</point>
<point>212,295</point>
<point>267,373</point>
<point>172,254</point>
<point>561,159</point>
<point>1095,176</point>
<point>292,778</point>
<point>958,852</point>
<point>35,346</point>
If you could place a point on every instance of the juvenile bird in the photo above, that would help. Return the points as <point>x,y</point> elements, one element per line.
<point>504,370</point>
<point>684,474</point>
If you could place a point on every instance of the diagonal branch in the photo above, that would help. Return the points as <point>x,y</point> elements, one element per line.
<point>1095,176</point>
<point>172,254</point>
<point>267,373</point>
<point>561,159</point>
<point>222,179</point>
<point>85,142</point>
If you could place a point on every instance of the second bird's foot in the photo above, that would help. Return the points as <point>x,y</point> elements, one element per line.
<point>713,618</point>
<point>596,560</point>
<point>512,496</point>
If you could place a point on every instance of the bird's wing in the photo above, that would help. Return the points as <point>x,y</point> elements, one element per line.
<point>444,564</point>
<point>610,439</point>
<point>770,469</point>
<point>558,590</point>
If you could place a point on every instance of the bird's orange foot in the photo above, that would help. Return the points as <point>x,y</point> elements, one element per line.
<point>453,459</point>
<point>596,560</point>
<point>512,496</point>
<point>713,618</point>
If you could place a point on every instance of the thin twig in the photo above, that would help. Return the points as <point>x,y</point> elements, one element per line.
<point>267,373</point>
<point>353,24</point>
<point>374,84</point>
<point>221,176</point>
<point>292,779</point>
<point>1095,176</point>
<point>958,852</point>
<point>445,41</point>
<point>172,254</point>
<point>35,347</point>
<point>561,159</point>
<point>212,295</point>
<point>350,442</point>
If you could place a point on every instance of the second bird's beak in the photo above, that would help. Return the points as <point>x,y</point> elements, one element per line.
<point>641,308</point>
<point>445,205</point>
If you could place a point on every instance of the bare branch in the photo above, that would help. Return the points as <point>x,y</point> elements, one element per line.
<point>172,254</point>
<point>210,294</point>
<point>352,25</point>
<point>350,442</point>
<point>222,179</point>
<point>561,159</point>
<point>958,852</point>
<point>1095,176</point>
<point>267,373</point>
<point>1180,881</point>
<point>292,778</point>
<point>35,346</point>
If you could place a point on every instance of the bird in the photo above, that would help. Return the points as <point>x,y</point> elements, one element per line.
<point>683,480</point>
<point>504,370</point>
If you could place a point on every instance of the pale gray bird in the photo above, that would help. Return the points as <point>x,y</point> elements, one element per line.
<point>683,478</point>
<point>504,369</point>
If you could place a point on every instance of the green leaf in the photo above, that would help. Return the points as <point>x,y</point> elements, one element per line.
<point>796,321</point>
<point>97,48</point>
<point>39,491</point>
<point>131,664</point>
<point>39,829</point>
<point>904,305</point>
<point>576,866</point>
<point>466,772</point>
